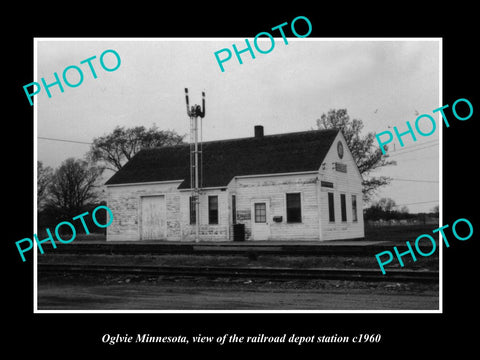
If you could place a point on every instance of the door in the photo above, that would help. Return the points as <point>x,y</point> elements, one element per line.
<point>260,220</point>
<point>153,217</point>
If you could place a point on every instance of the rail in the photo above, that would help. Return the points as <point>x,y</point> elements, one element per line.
<point>253,272</point>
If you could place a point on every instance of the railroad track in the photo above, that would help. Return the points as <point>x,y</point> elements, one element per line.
<point>247,272</point>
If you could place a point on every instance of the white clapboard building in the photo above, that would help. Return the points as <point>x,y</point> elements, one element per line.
<point>289,187</point>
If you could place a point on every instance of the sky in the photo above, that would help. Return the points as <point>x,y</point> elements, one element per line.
<point>382,82</point>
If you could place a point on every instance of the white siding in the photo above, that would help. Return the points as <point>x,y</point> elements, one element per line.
<point>274,189</point>
<point>152,217</point>
<point>218,232</point>
<point>349,183</point>
<point>125,203</point>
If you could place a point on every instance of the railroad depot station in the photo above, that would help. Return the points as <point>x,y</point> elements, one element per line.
<point>302,186</point>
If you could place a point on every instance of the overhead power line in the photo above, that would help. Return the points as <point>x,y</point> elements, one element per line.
<point>421,202</point>
<point>64,140</point>
<point>417,146</point>
<point>410,150</point>
<point>419,158</point>
<point>415,180</point>
<point>422,143</point>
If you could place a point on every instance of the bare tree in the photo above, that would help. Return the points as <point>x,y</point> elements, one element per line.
<point>73,186</point>
<point>116,148</point>
<point>404,210</point>
<point>44,179</point>
<point>386,204</point>
<point>366,155</point>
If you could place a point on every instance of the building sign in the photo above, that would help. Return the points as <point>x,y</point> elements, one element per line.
<point>243,215</point>
<point>327,184</point>
<point>340,167</point>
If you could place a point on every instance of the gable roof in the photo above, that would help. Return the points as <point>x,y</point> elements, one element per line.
<point>225,159</point>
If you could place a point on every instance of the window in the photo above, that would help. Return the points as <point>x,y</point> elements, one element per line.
<point>331,208</point>
<point>260,212</point>
<point>213,209</point>
<point>340,167</point>
<point>294,208</point>
<point>343,205</point>
<point>354,207</point>
<point>193,211</point>
<point>234,209</point>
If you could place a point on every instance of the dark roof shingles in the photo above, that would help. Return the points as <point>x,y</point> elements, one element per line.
<point>225,159</point>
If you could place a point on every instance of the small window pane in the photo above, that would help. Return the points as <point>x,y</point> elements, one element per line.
<point>260,213</point>
<point>331,208</point>
<point>234,209</point>
<point>193,213</point>
<point>343,205</point>
<point>294,208</point>
<point>213,209</point>
<point>354,208</point>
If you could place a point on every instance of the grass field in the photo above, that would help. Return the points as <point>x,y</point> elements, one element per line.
<point>398,233</point>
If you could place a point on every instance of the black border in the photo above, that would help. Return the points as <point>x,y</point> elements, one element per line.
<point>404,334</point>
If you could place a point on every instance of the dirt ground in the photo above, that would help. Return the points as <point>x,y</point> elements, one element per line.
<point>87,292</point>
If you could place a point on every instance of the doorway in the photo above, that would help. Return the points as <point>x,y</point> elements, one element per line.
<point>260,220</point>
<point>153,217</point>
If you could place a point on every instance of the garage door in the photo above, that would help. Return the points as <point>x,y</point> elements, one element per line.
<point>153,217</point>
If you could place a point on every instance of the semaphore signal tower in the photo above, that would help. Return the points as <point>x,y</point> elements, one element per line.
<point>196,167</point>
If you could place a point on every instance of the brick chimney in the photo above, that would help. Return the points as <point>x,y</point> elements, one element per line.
<point>258,131</point>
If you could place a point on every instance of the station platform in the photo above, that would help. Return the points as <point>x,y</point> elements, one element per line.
<point>344,247</point>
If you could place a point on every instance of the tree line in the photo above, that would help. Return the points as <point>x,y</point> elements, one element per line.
<point>386,209</point>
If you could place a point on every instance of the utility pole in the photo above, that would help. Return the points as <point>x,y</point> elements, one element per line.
<point>194,113</point>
